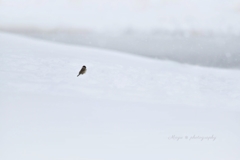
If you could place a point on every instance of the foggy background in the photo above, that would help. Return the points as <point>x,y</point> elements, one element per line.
<point>199,32</point>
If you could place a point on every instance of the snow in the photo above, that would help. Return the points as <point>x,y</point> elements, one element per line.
<point>203,50</point>
<point>124,107</point>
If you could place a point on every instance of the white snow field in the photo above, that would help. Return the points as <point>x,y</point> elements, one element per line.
<point>124,108</point>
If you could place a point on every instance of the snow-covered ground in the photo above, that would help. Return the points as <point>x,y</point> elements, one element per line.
<point>203,50</point>
<point>124,107</point>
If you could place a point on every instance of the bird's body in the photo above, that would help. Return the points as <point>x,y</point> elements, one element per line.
<point>82,71</point>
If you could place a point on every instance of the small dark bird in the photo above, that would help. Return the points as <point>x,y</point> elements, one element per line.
<point>82,71</point>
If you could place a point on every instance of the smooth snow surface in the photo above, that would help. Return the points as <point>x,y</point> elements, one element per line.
<point>212,51</point>
<point>124,107</point>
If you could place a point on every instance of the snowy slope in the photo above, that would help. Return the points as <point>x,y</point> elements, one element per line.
<point>124,107</point>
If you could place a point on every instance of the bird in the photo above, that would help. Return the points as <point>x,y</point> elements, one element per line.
<point>82,71</point>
